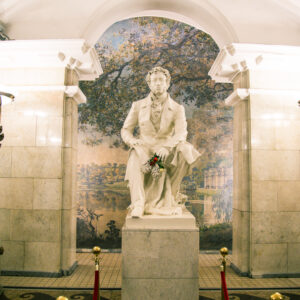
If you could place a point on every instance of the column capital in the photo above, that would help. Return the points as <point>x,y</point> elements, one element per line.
<point>74,54</point>
<point>236,58</point>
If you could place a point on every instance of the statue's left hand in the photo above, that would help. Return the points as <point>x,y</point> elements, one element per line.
<point>163,153</point>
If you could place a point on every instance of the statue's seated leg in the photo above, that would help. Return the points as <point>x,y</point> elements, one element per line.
<point>136,185</point>
<point>184,158</point>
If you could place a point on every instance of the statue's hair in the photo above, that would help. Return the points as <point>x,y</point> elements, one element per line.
<point>158,70</point>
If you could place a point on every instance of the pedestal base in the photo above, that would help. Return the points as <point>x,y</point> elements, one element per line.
<point>160,258</point>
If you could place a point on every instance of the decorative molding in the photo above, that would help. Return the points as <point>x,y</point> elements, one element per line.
<point>237,96</point>
<point>237,58</point>
<point>72,91</point>
<point>74,54</point>
<point>75,93</point>
<point>243,94</point>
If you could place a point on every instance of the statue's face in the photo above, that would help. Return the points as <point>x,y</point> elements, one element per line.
<point>158,83</point>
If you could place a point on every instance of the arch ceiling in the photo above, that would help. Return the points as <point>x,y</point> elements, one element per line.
<point>244,21</point>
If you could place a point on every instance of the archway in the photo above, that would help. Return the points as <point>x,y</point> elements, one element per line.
<point>128,50</point>
<point>261,74</point>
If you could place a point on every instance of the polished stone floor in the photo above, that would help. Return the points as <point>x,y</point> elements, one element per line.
<point>110,275</point>
<point>80,284</point>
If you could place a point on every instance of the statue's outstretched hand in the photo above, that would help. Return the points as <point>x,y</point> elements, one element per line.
<point>163,153</point>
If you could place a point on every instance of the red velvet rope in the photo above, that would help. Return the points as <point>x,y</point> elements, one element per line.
<point>96,286</point>
<point>224,287</point>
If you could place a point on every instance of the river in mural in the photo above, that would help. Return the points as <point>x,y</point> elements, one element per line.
<point>127,50</point>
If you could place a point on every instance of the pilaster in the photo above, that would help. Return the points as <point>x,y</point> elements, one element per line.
<point>39,152</point>
<point>266,212</point>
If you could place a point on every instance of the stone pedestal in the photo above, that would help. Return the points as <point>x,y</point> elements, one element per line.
<point>160,258</point>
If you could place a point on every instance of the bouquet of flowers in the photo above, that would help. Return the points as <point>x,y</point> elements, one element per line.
<point>154,166</point>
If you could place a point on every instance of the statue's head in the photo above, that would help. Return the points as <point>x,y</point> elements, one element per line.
<point>158,80</point>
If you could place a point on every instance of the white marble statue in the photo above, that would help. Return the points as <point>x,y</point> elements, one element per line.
<point>162,131</point>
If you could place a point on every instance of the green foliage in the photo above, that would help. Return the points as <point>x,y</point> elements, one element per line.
<point>112,233</point>
<point>88,237</point>
<point>216,236</point>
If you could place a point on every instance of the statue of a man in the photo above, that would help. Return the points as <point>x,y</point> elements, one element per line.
<point>162,132</point>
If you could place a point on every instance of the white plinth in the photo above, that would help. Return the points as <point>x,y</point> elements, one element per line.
<point>160,258</point>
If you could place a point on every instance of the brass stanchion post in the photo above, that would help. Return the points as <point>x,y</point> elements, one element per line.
<point>62,298</point>
<point>276,296</point>
<point>224,252</point>
<point>97,251</point>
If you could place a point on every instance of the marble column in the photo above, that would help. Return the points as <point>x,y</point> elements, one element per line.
<point>39,153</point>
<point>266,205</point>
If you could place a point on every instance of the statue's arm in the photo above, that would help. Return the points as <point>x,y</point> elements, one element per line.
<point>180,126</point>
<point>129,125</point>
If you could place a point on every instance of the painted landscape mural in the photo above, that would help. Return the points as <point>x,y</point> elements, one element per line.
<point>127,51</point>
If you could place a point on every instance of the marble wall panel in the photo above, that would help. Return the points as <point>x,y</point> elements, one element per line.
<point>42,256</point>
<point>275,134</point>
<point>271,79</point>
<point>43,162</point>
<point>274,107</point>
<point>263,134</point>
<point>74,124</point>
<point>236,180</point>
<point>241,239</point>
<point>275,227</point>
<point>275,165</point>
<point>241,180</point>
<point>289,196</point>
<point>287,135</point>
<point>269,259</point>
<point>241,126</point>
<point>49,131</point>
<point>68,122</point>
<point>5,162</point>
<point>68,175</point>
<point>19,129</point>
<point>47,194</point>
<point>293,258</point>
<point>35,225</point>
<point>14,255</point>
<point>33,76</point>
<point>147,254</point>
<point>39,103</point>
<point>71,123</point>
<point>68,244</point>
<point>5,224</point>
<point>16,193</point>
<point>264,196</point>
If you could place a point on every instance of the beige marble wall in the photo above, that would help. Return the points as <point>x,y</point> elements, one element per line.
<point>38,174</point>
<point>241,188</point>
<point>266,217</point>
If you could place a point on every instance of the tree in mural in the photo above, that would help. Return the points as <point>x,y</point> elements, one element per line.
<point>126,56</point>
<point>186,52</point>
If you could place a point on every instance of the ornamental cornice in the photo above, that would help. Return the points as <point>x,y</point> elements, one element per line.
<point>241,94</point>
<point>237,58</point>
<point>71,91</point>
<point>73,54</point>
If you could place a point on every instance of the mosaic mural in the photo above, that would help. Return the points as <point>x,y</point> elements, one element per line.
<point>127,50</point>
